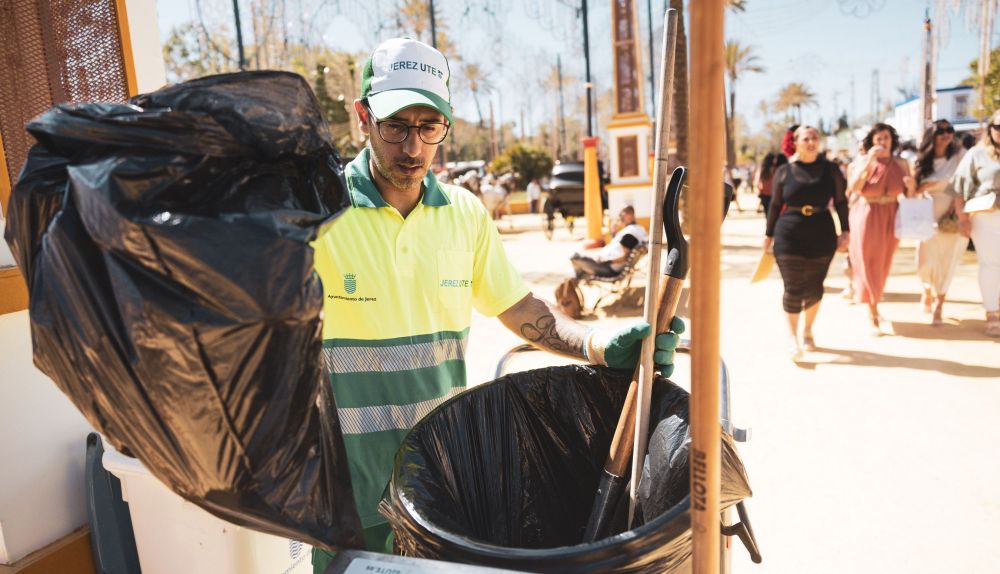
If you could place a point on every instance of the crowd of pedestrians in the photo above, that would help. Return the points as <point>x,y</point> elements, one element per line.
<point>802,192</point>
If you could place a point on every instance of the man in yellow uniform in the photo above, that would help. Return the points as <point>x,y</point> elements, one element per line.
<point>403,268</point>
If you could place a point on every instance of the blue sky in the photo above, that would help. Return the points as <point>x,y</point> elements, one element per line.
<point>817,42</point>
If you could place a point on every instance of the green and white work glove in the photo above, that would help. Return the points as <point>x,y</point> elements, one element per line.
<point>621,349</point>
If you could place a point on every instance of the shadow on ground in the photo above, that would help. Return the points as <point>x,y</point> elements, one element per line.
<point>952,330</point>
<point>627,304</point>
<point>631,303</point>
<point>866,358</point>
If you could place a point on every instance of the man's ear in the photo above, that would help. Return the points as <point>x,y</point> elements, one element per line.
<point>362,112</point>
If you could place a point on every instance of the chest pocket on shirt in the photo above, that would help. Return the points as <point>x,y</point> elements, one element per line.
<point>455,278</point>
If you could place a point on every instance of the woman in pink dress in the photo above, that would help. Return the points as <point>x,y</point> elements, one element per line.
<point>873,218</point>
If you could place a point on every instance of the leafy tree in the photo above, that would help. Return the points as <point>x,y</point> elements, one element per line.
<point>193,50</point>
<point>466,141</point>
<point>992,95</point>
<point>526,161</point>
<point>415,18</point>
<point>189,52</point>
<point>334,109</point>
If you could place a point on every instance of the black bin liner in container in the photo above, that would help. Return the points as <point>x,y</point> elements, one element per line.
<point>505,475</point>
<point>165,244</point>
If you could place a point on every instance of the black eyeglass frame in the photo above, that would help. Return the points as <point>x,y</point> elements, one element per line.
<point>378,127</point>
<point>944,130</point>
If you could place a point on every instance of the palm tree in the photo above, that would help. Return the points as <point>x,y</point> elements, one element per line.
<point>740,60</point>
<point>792,97</point>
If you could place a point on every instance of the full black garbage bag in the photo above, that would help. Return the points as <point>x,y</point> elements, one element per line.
<point>165,244</point>
<point>505,475</point>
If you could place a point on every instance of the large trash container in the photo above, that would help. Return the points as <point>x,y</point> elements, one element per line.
<point>504,475</point>
<point>173,535</point>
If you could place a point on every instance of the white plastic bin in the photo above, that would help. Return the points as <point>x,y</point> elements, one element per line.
<point>173,535</point>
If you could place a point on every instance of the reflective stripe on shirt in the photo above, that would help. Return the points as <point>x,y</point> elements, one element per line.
<point>360,359</point>
<point>388,417</point>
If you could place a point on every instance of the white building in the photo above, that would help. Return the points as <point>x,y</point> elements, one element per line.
<point>957,105</point>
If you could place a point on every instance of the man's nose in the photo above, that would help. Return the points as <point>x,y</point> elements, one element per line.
<point>413,145</point>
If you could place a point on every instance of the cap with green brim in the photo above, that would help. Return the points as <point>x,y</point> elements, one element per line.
<point>402,73</point>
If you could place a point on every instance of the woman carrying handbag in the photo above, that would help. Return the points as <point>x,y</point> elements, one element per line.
<point>977,181</point>
<point>938,256</point>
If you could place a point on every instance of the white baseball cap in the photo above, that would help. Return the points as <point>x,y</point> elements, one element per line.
<point>402,73</point>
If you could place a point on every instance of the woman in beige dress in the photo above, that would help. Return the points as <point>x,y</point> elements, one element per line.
<point>937,257</point>
<point>977,181</point>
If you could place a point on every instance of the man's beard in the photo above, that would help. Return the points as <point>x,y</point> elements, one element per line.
<point>398,181</point>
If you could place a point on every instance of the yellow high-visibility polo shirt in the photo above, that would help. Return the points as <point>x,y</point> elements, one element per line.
<point>398,304</point>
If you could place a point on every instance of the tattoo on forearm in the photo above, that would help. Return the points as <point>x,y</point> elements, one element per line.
<point>543,333</point>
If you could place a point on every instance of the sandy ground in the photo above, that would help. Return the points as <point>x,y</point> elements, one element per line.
<point>872,454</point>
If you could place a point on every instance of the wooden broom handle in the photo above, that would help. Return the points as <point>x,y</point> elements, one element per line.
<point>620,454</point>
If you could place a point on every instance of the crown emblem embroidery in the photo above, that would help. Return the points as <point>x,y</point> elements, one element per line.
<point>350,283</point>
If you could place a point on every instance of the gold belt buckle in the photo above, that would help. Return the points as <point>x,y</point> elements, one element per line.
<point>808,210</point>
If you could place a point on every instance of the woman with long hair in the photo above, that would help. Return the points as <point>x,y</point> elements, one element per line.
<point>765,177</point>
<point>800,229</point>
<point>977,180</point>
<point>937,257</point>
<point>879,182</point>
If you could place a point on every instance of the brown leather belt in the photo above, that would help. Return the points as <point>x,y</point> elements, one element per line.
<point>806,210</point>
<point>880,199</point>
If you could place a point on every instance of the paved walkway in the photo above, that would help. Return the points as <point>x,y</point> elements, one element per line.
<point>873,454</point>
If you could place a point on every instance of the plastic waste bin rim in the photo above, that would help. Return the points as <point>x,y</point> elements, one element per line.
<point>118,464</point>
<point>681,510</point>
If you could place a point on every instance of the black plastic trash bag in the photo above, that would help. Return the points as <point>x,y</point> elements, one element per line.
<point>505,475</point>
<point>172,295</point>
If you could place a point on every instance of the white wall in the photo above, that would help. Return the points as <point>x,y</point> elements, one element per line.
<point>947,105</point>
<point>147,51</point>
<point>908,119</point>
<point>42,448</point>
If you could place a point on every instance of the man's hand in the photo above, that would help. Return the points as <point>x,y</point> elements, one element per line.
<point>621,349</point>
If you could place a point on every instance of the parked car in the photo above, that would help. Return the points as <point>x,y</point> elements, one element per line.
<point>565,194</point>
<point>458,169</point>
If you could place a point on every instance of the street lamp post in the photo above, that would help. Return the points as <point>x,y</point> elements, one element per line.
<point>586,59</point>
<point>239,35</point>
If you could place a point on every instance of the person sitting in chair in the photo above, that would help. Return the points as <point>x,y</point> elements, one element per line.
<point>609,262</point>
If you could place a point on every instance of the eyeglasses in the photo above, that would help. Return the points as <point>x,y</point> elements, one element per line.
<point>948,130</point>
<point>395,131</point>
<point>995,126</point>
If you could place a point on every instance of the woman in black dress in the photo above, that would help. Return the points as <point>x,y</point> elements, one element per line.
<point>801,231</point>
